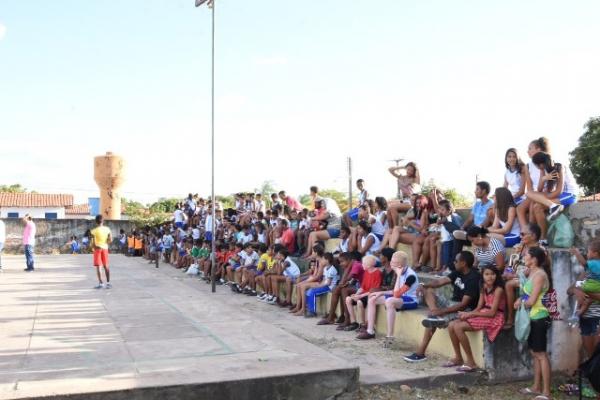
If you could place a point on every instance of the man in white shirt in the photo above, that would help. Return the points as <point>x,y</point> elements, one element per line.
<point>2,240</point>
<point>178,217</point>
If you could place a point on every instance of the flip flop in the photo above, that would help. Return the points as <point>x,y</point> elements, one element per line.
<point>465,368</point>
<point>528,392</point>
<point>450,364</point>
<point>541,397</point>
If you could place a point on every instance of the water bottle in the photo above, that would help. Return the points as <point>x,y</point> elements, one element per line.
<point>573,321</point>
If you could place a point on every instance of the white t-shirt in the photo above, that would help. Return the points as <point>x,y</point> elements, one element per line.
<point>375,246</point>
<point>378,227</point>
<point>343,246</point>
<point>330,273</point>
<point>513,179</point>
<point>292,270</point>
<point>569,183</point>
<point>195,233</point>
<point>401,281</point>
<point>208,223</point>
<point>248,260</point>
<point>534,174</point>
<point>178,215</point>
<point>247,238</point>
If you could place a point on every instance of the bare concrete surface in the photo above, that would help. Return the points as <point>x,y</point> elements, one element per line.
<point>157,334</point>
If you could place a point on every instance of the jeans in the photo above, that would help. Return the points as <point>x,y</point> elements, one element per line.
<point>29,256</point>
<point>311,297</point>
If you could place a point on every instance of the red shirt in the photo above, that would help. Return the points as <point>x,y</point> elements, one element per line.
<point>371,280</point>
<point>288,239</point>
<point>357,271</point>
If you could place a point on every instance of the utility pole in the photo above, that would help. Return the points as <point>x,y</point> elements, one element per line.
<point>349,183</point>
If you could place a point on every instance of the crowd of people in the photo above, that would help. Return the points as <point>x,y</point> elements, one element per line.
<point>262,246</point>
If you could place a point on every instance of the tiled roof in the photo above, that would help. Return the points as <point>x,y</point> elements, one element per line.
<point>78,209</point>
<point>35,200</point>
<point>593,197</point>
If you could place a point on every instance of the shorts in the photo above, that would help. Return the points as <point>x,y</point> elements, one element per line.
<point>567,199</point>
<point>511,239</point>
<point>443,302</point>
<point>130,250</point>
<point>363,300</point>
<point>353,214</point>
<point>334,233</point>
<point>101,257</point>
<point>379,236</point>
<point>178,224</point>
<point>259,273</point>
<point>294,279</point>
<point>447,254</point>
<point>538,336</point>
<point>208,236</point>
<point>408,303</point>
<point>520,199</point>
<point>589,326</point>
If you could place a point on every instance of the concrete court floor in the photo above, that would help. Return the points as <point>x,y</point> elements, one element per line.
<point>154,328</point>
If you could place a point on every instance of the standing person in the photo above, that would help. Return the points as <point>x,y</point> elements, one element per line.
<point>352,214</point>
<point>538,283</point>
<point>101,237</point>
<point>29,241</point>
<point>2,239</point>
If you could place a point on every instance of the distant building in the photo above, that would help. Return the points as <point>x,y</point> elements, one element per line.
<point>38,205</point>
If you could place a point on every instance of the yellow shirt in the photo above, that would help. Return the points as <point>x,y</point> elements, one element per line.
<point>265,258</point>
<point>100,235</point>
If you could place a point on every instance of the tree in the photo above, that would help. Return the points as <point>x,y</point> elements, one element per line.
<point>457,199</point>
<point>585,158</point>
<point>14,188</point>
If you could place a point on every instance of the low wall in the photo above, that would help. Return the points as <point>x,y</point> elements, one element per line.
<point>53,234</point>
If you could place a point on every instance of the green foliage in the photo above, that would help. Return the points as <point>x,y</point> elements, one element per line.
<point>164,206</point>
<point>226,201</point>
<point>306,201</point>
<point>14,188</point>
<point>340,198</point>
<point>458,199</point>
<point>585,158</point>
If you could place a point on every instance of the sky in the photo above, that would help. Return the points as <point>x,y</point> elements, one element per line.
<point>300,87</point>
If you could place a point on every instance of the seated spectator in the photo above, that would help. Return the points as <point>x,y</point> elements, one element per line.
<point>401,294</point>
<point>369,243</point>
<point>371,280</point>
<point>328,282</point>
<point>482,215</point>
<point>516,175</point>
<point>448,221</point>
<point>332,231</point>
<point>248,261</point>
<point>288,272</point>
<point>488,250</point>
<point>261,233</point>
<point>409,183</point>
<point>289,201</point>
<point>266,266</point>
<point>311,279</point>
<point>487,316</point>
<point>559,190</point>
<point>379,223</point>
<point>465,281</point>
<point>235,262</point>
<point>351,277</point>
<point>287,237</point>
<point>506,226</point>
<point>74,245</point>
<point>532,184</point>
<point>352,215</point>
<point>530,236</point>
<point>343,246</point>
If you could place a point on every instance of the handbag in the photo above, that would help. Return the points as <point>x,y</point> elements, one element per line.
<point>522,320</point>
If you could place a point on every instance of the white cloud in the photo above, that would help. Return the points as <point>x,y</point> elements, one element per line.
<point>270,61</point>
<point>2,31</point>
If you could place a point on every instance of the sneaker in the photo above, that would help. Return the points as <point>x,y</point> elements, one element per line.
<point>414,357</point>
<point>366,335</point>
<point>261,296</point>
<point>351,327</point>
<point>272,301</point>
<point>222,281</point>
<point>459,234</point>
<point>99,286</point>
<point>108,286</point>
<point>434,322</point>
<point>554,211</point>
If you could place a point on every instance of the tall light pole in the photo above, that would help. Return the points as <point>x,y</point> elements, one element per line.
<point>211,4</point>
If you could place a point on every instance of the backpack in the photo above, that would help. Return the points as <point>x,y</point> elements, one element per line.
<point>560,233</point>
<point>591,369</point>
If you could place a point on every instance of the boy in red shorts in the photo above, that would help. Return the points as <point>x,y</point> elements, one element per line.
<point>101,238</point>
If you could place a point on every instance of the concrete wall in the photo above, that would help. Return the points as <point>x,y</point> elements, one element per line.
<point>35,212</point>
<point>585,218</point>
<point>52,235</point>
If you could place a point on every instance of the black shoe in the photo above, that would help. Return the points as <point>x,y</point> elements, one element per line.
<point>28,270</point>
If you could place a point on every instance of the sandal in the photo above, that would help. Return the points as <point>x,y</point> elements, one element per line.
<point>451,363</point>
<point>528,392</point>
<point>465,368</point>
<point>541,397</point>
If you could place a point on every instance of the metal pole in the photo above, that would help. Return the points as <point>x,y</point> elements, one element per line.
<point>349,183</point>
<point>214,203</point>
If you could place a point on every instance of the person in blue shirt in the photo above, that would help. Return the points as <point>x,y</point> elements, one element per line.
<point>482,215</point>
